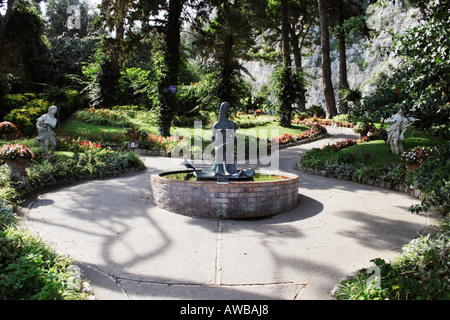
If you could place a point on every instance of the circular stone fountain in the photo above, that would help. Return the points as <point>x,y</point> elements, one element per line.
<point>266,194</point>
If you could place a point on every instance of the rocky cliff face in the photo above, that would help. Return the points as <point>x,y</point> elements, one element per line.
<point>364,62</point>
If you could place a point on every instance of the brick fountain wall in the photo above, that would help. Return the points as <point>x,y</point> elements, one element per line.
<point>234,200</point>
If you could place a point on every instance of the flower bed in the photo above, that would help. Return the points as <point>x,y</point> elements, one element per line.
<point>286,139</point>
<point>16,152</point>
<point>67,143</point>
<point>323,122</point>
<point>416,156</point>
<point>8,130</point>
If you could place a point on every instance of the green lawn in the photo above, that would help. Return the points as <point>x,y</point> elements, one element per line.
<point>381,153</point>
<point>72,126</point>
<point>271,130</point>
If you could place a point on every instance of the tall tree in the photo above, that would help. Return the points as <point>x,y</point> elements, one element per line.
<point>4,18</point>
<point>227,39</point>
<point>124,23</point>
<point>301,16</point>
<point>348,17</point>
<point>330,101</point>
<point>286,77</point>
<point>171,73</point>
<point>171,28</point>
<point>60,11</point>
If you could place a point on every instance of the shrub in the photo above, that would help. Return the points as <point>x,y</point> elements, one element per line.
<point>8,130</point>
<point>433,178</point>
<point>102,117</point>
<point>315,111</point>
<point>94,162</point>
<point>25,117</point>
<point>29,270</point>
<point>136,87</point>
<point>420,272</point>
<point>244,121</point>
<point>14,101</point>
<point>66,99</point>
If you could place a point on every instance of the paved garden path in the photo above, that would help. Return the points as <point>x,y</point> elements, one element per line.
<point>130,249</point>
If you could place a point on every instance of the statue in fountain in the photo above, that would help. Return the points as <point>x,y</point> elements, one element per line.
<point>224,140</point>
<point>45,125</point>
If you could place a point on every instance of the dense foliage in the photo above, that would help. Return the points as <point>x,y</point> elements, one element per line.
<point>25,108</point>
<point>148,71</point>
<point>421,86</point>
<point>433,178</point>
<point>29,269</point>
<point>420,272</point>
<point>26,27</point>
<point>288,87</point>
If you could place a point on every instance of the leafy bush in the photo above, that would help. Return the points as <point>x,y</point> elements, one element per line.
<point>8,130</point>
<point>136,86</point>
<point>420,272</point>
<point>25,117</point>
<point>15,101</point>
<point>66,99</point>
<point>102,80</point>
<point>94,162</point>
<point>288,87</point>
<point>315,111</point>
<point>244,121</point>
<point>29,270</point>
<point>433,178</point>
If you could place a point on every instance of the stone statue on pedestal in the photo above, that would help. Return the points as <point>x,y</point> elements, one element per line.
<point>224,140</point>
<point>45,125</point>
<point>397,131</point>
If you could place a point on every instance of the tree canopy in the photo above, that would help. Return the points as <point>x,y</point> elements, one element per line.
<point>224,35</point>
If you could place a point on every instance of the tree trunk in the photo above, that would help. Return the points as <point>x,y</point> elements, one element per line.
<point>343,81</point>
<point>172,59</point>
<point>285,33</point>
<point>330,100</point>
<point>285,103</point>
<point>296,50</point>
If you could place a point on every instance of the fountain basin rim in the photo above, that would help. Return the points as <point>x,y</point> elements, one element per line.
<point>284,177</point>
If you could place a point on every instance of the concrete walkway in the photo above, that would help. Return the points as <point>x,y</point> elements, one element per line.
<point>130,249</point>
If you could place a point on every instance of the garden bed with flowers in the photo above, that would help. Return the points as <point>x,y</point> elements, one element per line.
<point>372,162</point>
<point>323,122</point>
